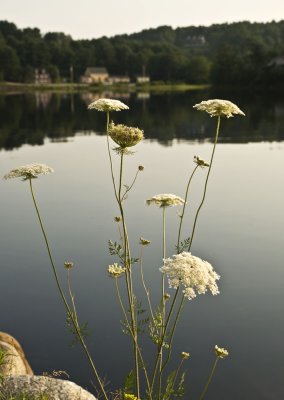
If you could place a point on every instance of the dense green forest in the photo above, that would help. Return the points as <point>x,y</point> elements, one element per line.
<point>240,53</point>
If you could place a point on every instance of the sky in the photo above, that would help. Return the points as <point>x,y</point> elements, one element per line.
<point>87,19</point>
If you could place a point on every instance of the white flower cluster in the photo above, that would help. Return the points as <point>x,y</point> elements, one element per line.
<point>194,274</point>
<point>221,352</point>
<point>108,105</point>
<point>165,200</point>
<point>219,107</point>
<point>29,171</point>
<point>115,270</point>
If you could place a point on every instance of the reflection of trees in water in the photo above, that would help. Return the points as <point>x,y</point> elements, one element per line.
<point>30,118</point>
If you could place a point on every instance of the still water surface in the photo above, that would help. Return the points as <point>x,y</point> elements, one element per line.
<point>240,232</point>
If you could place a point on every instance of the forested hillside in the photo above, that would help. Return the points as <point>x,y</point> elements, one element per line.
<point>241,53</point>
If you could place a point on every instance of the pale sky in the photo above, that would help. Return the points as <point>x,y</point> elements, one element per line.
<point>86,19</point>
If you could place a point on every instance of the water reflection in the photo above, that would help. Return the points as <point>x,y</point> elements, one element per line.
<point>30,118</point>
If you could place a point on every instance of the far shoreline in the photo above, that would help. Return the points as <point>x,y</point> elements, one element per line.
<point>8,87</point>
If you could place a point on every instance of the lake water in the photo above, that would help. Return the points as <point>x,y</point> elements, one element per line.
<point>240,232</point>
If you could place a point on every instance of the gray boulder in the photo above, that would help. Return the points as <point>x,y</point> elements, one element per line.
<point>41,386</point>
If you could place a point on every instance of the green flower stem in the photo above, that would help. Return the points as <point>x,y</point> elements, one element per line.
<point>131,186</point>
<point>183,209</point>
<point>132,334</point>
<point>144,285</point>
<point>177,372</point>
<point>163,304</point>
<point>72,298</point>
<point>69,312</point>
<point>110,158</point>
<point>128,274</point>
<point>162,339</point>
<point>173,332</point>
<point>209,379</point>
<point>206,182</point>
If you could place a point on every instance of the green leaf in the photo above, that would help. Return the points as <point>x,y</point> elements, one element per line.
<point>129,383</point>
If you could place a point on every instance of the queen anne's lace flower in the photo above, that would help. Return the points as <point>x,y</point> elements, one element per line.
<point>127,396</point>
<point>68,264</point>
<point>165,200</point>
<point>194,274</point>
<point>144,242</point>
<point>125,136</point>
<point>219,107</point>
<point>200,162</point>
<point>30,171</point>
<point>184,355</point>
<point>221,352</point>
<point>108,105</point>
<point>115,270</point>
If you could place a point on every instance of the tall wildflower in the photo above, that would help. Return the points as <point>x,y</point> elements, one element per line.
<point>194,274</point>
<point>165,200</point>
<point>29,171</point>
<point>217,107</point>
<point>107,105</point>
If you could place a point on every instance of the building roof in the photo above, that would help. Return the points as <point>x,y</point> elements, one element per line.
<point>96,70</point>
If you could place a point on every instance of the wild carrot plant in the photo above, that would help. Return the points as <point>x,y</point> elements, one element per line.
<point>187,274</point>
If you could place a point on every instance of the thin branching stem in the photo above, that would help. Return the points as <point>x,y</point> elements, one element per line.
<point>209,379</point>
<point>206,182</point>
<point>183,209</point>
<point>69,312</point>
<point>131,186</point>
<point>177,372</point>
<point>132,334</point>
<point>110,158</point>
<point>72,297</point>
<point>128,274</point>
<point>163,338</point>
<point>144,284</point>
<point>163,305</point>
<point>172,333</point>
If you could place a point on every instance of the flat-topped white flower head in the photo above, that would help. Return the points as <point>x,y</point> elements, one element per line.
<point>194,274</point>
<point>30,171</point>
<point>217,107</point>
<point>165,200</point>
<point>221,352</point>
<point>115,270</point>
<point>107,105</point>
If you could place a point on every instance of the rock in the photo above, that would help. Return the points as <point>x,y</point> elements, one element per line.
<point>35,386</point>
<point>15,362</point>
<point>12,362</point>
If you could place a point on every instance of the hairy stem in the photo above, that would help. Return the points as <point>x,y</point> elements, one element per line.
<point>206,182</point>
<point>133,335</point>
<point>110,158</point>
<point>128,274</point>
<point>144,284</point>
<point>172,333</point>
<point>69,312</point>
<point>183,209</point>
<point>162,339</point>
<point>209,379</point>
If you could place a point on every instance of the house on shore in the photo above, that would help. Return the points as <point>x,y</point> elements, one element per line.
<point>42,77</point>
<point>142,79</point>
<point>118,79</point>
<point>95,75</point>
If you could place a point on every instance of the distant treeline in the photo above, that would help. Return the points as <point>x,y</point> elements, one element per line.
<point>241,53</point>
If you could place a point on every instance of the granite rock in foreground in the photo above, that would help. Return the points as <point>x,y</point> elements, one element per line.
<point>35,386</point>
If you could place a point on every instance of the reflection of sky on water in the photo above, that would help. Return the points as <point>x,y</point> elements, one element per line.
<point>239,232</point>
